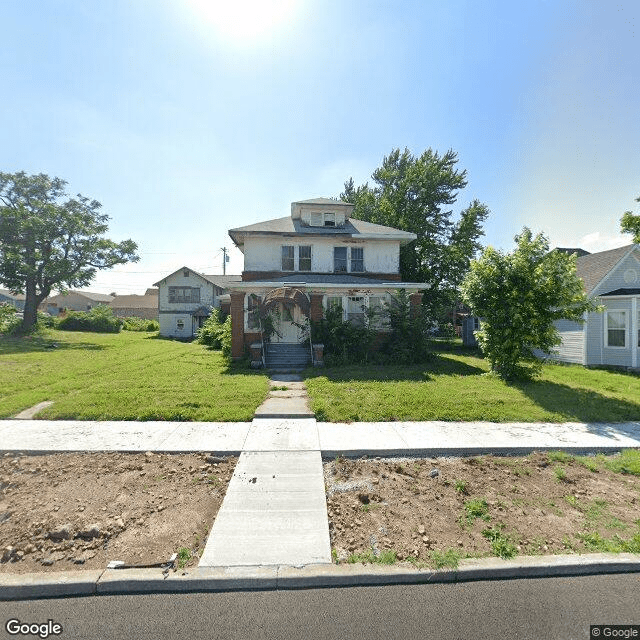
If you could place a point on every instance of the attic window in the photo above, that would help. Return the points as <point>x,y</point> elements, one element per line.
<point>329,219</point>
<point>185,273</point>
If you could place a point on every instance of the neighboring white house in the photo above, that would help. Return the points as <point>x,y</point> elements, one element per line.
<point>74,301</point>
<point>613,337</point>
<point>185,299</point>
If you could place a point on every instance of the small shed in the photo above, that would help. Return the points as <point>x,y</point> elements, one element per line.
<point>469,325</point>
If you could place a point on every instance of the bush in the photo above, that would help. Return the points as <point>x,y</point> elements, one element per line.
<point>10,321</point>
<point>344,342</point>
<point>225,338</point>
<point>46,320</point>
<point>140,324</point>
<point>211,332</point>
<point>100,320</point>
<point>408,334</point>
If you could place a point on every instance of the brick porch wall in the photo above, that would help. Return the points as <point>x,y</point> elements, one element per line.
<point>237,324</point>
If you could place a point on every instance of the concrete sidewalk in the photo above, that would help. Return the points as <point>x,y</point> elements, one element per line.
<point>355,439</point>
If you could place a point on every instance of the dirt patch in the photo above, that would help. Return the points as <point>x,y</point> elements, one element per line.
<point>66,511</point>
<point>436,511</point>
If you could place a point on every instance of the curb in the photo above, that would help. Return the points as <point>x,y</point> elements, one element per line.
<point>199,579</point>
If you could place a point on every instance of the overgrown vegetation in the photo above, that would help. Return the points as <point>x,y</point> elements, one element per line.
<point>139,324</point>
<point>10,321</point>
<point>100,319</point>
<point>404,339</point>
<point>210,333</point>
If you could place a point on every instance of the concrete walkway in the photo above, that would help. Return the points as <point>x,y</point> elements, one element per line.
<point>275,510</point>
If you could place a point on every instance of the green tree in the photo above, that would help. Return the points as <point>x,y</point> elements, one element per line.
<point>48,239</point>
<point>630,223</point>
<point>414,193</point>
<point>519,295</point>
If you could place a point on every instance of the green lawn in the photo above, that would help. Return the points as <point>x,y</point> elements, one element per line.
<point>455,385</point>
<point>125,376</point>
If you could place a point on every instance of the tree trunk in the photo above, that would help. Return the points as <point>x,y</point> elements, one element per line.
<point>32,300</point>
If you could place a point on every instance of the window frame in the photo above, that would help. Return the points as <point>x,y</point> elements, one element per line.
<point>251,311</point>
<point>174,298</point>
<point>300,258</point>
<point>353,260</point>
<point>346,259</point>
<point>283,257</point>
<point>607,329</point>
<point>180,324</point>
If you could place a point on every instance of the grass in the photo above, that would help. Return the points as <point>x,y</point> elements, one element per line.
<point>456,385</point>
<point>124,376</point>
<point>184,555</point>
<point>501,544</point>
<point>474,509</point>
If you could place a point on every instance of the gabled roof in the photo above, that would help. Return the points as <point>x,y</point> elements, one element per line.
<point>218,280</point>
<point>593,268</point>
<point>352,228</point>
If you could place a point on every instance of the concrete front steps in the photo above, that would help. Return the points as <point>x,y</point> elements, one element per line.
<point>284,356</point>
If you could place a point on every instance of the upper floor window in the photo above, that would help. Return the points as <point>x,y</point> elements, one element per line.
<point>357,259</point>
<point>304,258</point>
<point>185,273</point>
<point>340,259</point>
<point>329,219</point>
<point>616,329</point>
<point>184,294</point>
<point>288,260</point>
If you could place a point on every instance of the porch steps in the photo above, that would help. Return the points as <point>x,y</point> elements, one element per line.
<point>285,356</point>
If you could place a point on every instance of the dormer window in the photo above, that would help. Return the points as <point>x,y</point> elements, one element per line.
<point>329,219</point>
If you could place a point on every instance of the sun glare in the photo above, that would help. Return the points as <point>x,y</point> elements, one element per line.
<point>245,21</point>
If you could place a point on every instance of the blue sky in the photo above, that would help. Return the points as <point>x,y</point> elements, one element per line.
<point>186,118</point>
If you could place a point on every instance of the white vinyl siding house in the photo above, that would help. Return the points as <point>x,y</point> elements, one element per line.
<point>612,337</point>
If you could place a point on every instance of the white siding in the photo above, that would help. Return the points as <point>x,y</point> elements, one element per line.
<point>265,254</point>
<point>619,356</point>
<point>572,347</point>
<point>170,312</point>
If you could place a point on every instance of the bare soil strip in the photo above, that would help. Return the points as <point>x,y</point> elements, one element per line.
<point>67,511</point>
<point>436,511</point>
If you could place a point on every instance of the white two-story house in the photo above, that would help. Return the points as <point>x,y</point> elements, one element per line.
<point>316,256</point>
<point>185,299</point>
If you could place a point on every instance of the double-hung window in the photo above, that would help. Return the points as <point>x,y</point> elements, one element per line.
<point>357,259</point>
<point>616,329</point>
<point>184,294</point>
<point>355,310</point>
<point>288,259</point>
<point>304,258</point>
<point>340,259</point>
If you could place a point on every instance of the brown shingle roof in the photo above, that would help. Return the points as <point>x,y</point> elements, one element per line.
<point>594,267</point>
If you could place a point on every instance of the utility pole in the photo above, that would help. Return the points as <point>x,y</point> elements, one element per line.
<point>225,259</point>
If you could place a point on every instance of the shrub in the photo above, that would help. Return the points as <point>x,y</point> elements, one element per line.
<point>211,332</point>
<point>344,342</point>
<point>46,320</point>
<point>10,321</point>
<point>100,319</point>
<point>140,324</point>
<point>225,338</point>
<point>408,336</point>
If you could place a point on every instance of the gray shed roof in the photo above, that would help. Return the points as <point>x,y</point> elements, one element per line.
<point>594,267</point>
<point>222,281</point>
<point>289,225</point>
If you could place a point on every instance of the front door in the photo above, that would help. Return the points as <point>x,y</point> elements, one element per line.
<point>286,320</point>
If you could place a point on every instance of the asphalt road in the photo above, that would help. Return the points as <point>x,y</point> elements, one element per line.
<point>560,608</point>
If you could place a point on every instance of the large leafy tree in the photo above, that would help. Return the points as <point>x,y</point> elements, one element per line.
<point>49,239</point>
<point>415,193</point>
<point>518,296</point>
<point>630,223</point>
